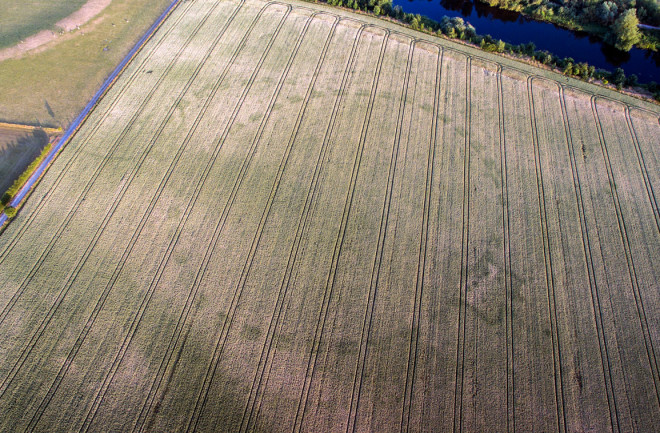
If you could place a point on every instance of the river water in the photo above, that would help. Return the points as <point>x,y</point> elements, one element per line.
<point>514,28</point>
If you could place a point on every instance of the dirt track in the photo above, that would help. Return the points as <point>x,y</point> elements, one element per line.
<point>88,11</point>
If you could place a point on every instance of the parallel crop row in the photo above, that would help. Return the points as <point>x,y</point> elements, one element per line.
<point>290,218</point>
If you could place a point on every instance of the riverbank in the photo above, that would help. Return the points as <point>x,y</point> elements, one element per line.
<point>564,16</point>
<point>516,29</point>
<point>457,30</point>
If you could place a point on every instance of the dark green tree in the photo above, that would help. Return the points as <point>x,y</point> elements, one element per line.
<point>632,80</point>
<point>618,77</point>
<point>607,12</point>
<point>649,11</point>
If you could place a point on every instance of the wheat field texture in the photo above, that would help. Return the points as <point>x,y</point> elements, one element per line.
<point>285,217</point>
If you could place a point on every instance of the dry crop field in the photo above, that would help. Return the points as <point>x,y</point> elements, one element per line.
<point>289,218</point>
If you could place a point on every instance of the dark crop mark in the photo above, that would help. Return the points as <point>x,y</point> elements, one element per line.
<point>123,348</point>
<point>506,251</point>
<point>462,309</point>
<point>623,231</point>
<point>593,284</point>
<point>265,360</point>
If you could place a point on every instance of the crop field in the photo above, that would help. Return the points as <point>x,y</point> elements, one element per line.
<point>285,217</point>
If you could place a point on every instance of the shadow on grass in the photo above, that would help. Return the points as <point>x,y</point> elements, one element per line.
<point>16,154</point>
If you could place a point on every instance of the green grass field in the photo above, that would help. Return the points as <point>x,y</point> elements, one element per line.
<point>51,85</point>
<point>290,218</point>
<point>24,18</point>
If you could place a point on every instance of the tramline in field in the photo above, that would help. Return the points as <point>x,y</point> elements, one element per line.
<point>288,217</point>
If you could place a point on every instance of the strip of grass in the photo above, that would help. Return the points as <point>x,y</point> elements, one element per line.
<point>51,87</point>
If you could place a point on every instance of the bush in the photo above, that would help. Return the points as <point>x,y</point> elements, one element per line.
<point>618,78</point>
<point>6,198</point>
<point>10,212</point>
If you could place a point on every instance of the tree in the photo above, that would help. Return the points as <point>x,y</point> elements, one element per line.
<point>591,71</point>
<point>470,31</point>
<point>632,80</point>
<point>530,47</point>
<point>618,78</point>
<point>626,31</point>
<point>445,24</point>
<point>415,22</point>
<point>459,27</point>
<point>649,11</point>
<point>607,12</point>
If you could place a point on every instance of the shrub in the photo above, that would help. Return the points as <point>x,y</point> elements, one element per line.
<point>10,212</point>
<point>618,78</point>
<point>6,198</point>
<point>632,80</point>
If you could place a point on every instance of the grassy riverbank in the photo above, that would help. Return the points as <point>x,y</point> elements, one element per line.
<point>600,18</point>
<point>457,29</point>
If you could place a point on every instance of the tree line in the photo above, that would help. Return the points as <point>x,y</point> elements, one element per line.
<point>615,21</point>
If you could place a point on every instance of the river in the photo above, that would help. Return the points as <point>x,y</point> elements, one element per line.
<point>514,28</point>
